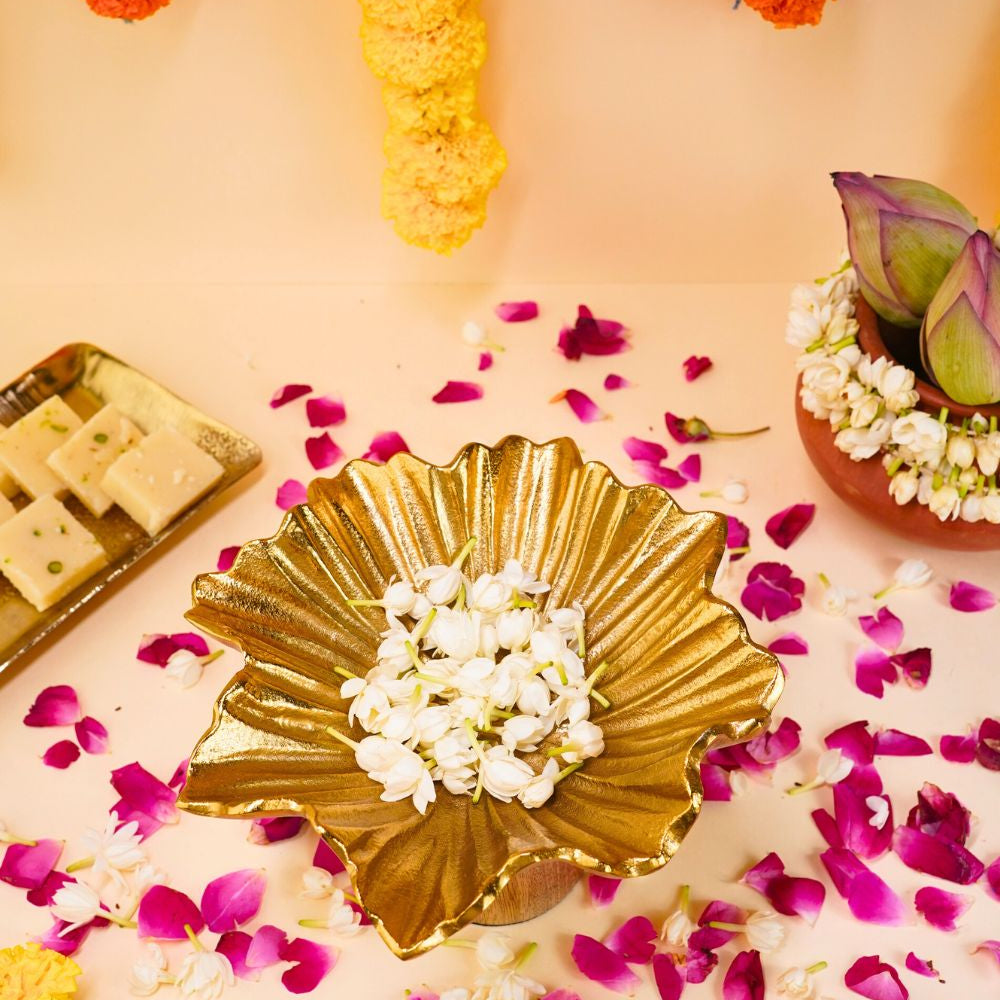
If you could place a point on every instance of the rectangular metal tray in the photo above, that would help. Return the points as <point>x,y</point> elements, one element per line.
<point>87,378</point>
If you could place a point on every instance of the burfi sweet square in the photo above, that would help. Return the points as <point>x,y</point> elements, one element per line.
<point>26,445</point>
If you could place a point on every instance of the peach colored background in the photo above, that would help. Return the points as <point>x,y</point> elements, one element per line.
<point>199,194</point>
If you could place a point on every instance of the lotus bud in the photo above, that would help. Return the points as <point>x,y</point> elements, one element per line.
<point>903,237</point>
<point>960,338</point>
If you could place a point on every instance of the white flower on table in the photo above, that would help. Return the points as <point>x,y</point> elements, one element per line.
<point>317,883</point>
<point>204,975</point>
<point>879,806</point>
<point>114,850</point>
<point>835,598</point>
<point>798,982</point>
<point>149,973</point>
<point>910,574</point>
<point>831,768</point>
<point>76,904</point>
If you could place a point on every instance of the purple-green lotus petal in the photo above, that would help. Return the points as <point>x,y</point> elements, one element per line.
<point>903,236</point>
<point>960,338</point>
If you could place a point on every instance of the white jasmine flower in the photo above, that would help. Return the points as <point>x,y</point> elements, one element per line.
<point>524,732</point>
<point>204,975</point>
<point>443,582</point>
<point>185,667</point>
<point>825,374</point>
<point>515,576</point>
<point>921,436</point>
<point>988,453</point>
<point>369,706</point>
<point>879,806</point>
<point>456,633</point>
<point>145,876</point>
<point>507,984</point>
<point>76,904</point>
<point>945,502</point>
<point>903,486</point>
<point>583,740</point>
<point>475,336</point>
<point>534,697</point>
<point>493,951</point>
<point>317,883</point>
<point>865,409</point>
<point>835,599</point>
<point>115,849</point>
<point>864,442</point>
<point>911,574</point>
<point>540,789</point>
<point>764,931</point>
<point>677,928</point>
<point>431,723</point>
<point>896,387</point>
<point>972,508</point>
<point>960,451</point>
<point>377,755</point>
<point>149,973</point>
<point>732,491</point>
<point>504,775</point>
<point>991,507</point>
<point>408,777</point>
<point>547,645</point>
<point>831,768</point>
<point>491,594</point>
<point>342,919</point>
<point>798,982</point>
<point>739,783</point>
<point>514,628</point>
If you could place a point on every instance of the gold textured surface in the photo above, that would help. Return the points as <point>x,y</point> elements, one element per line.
<point>87,378</point>
<point>683,672</point>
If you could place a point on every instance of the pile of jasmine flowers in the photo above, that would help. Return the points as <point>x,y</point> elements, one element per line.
<point>471,676</point>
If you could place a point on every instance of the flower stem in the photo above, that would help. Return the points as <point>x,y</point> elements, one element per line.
<point>343,739</point>
<point>884,592</point>
<point>737,434</point>
<point>345,673</point>
<point>739,550</point>
<point>425,625</point>
<point>684,898</point>
<point>206,660</point>
<point>526,952</point>
<point>561,671</point>
<point>567,771</point>
<point>7,838</point>
<point>193,938</point>
<point>824,579</point>
<point>466,549</point>
<point>414,659</point>
<point>841,344</point>
<point>116,919</point>
<point>894,466</point>
<point>721,925</point>
<point>600,699</point>
<point>315,924</point>
<point>460,599</point>
<point>580,642</point>
<point>816,967</point>
<point>459,943</point>
<point>807,787</point>
<point>79,865</point>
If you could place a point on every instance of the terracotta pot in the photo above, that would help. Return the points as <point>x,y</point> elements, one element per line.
<point>864,485</point>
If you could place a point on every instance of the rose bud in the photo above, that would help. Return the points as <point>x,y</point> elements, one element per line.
<point>903,236</point>
<point>960,337</point>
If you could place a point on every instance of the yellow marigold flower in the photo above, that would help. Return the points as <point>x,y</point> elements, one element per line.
<point>455,166</point>
<point>440,108</point>
<point>31,972</point>
<point>424,222</point>
<point>416,15</point>
<point>419,59</point>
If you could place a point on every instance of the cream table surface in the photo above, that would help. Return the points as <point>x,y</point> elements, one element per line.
<point>386,350</point>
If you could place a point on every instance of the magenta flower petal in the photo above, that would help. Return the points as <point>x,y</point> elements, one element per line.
<point>227,557</point>
<point>517,312</point>
<point>290,493</point>
<point>42,895</point>
<point>458,392</point>
<point>179,776</point>
<point>325,858</point>
<point>988,744</point>
<point>883,628</point>
<point>91,735</point>
<point>683,430</point>
<point>922,967</point>
<point>603,966</point>
<point>990,947</point>
<point>915,666</point>
<point>614,382</point>
<point>940,908</point>
<point>690,468</point>
<point>993,879</point>
<point>710,938</point>
<point>325,411</point>
<point>235,945</point>
<point>854,741</point>
<point>789,644</point>
<point>744,978</point>
<point>652,472</point>
<point>893,743</point>
<point>933,856</point>
<point>144,793</point>
<point>58,938</point>
<point>785,526</point>
<point>959,749</point>
<point>554,995</point>
<point>163,912</point>
<point>827,827</point>
<point>289,392</point>
<point>715,782</point>
<point>795,897</point>
<point>940,814</point>
<point>485,361</point>
<point>669,983</point>
<point>776,746</point>
<point>695,366</point>
<point>634,940</point>
<point>644,451</point>
<point>737,537</point>
<point>322,451</point>
<point>965,596</point>
<point>699,963</point>
<point>868,897</point>
<point>384,446</point>
<point>872,671</point>
<point>27,866</point>
<point>871,977</point>
<point>55,706</point>
<point>313,963</point>
<point>158,648</point>
<point>585,409</point>
<point>603,890</point>
<point>231,900</point>
<point>772,591</point>
<point>853,818</point>
<point>266,948</point>
<point>60,755</point>
<point>278,828</point>
<point>588,335</point>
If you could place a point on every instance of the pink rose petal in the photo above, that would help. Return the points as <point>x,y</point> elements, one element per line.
<point>772,591</point>
<point>266,948</point>
<point>715,782</point>
<point>774,746</point>
<point>685,429</point>
<point>60,755</point>
<point>235,945</point>
<point>325,411</point>
<point>584,408</point>
<point>827,827</point>
<point>868,897</point>
<point>55,706</point>
<point>853,817</point>
<point>27,866</point>
<point>959,749</point>
<point>690,468</point>
<point>789,644</point>
<point>485,361</point>
<point>737,537</point>
<point>644,451</point>
<point>990,947</point>
<point>179,776</point>
<point>931,855</point>
<point>854,741</point>
<point>157,648</point>
<point>695,366</point>
<point>786,526</point>
<point>634,940</point>
<point>554,995</point>
<point>921,966</point>
<point>322,451</point>
<point>790,895</point>
<point>274,830</point>
<point>872,671</point>
<point>603,890</point>
<point>940,908</point>
<point>517,312</point>
<point>940,814</point>
<point>144,798</point>
<point>988,744</point>
<point>290,493</point>
<point>313,962</point>
<point>591,336</point>
<point>384,446</point>
<point>42,895</point>
<point>227,557</point>
<point>603,966</point>
<point>669,983</point>
<point>871,977</point>
<point>653,472</point>
<point>993,879</point>
<point>915,666</point>
<point>91,735</point>
<point>744,978</point>
<point>699,963</point>
<point>965,596</point>
<point>883,628</point>
<point>710,938</point>
<point>615,382</point>
<point>893,743</point>
<point>458,392</point>
<point>66,942</point>
<point>289,392</point>
<point>231,900</point>
<point>325,858</point>
<point>163,912</point>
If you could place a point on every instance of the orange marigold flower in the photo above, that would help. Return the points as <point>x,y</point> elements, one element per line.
<point>789,13</point>
<point>129,10</point>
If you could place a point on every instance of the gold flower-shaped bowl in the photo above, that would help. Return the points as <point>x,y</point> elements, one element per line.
<point>683,672</point>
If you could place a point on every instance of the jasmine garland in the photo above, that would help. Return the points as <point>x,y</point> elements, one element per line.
<point>471,675</point>
<point>949,468</point>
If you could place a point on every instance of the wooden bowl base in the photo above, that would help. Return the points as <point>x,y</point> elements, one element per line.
<point>531,892</point>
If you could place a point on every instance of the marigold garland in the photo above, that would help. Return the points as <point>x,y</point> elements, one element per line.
<point>443,159</point>
<point>127,10</point>
<point>31,972</point>
<point>789,13</point>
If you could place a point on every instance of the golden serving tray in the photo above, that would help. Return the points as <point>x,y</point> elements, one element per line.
<point>88,378</point>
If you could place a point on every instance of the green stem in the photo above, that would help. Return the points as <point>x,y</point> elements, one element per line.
<point>561,671</point>
<point>79,865</point>
<point>816,967</point>
<point>884,592</point>
<point>414,659</point>
<point>115,919</point>
<point>460,599</point>
<point>600,699</point>
<point>841,344</point>
<point>943,415</point>
<point>193,938</point>
<point>315,924</point>
<point>894,466</point>
<point>739,550</point>
<point>340,736</point>
<point>737,434</point>
<point>684,899</point>
<point>815,345</point>
<point>206,660</point>
<point>459,943</point>
<point>526,952</point>
<point>424,626</point>
<point>807,787</point>
<point>580,643</point>
<point>466,549</point>
<point>824,579</point>
<point>345,673</point>
<point>721,925</point>
<point>8,839</point>
<point>567,771</point>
